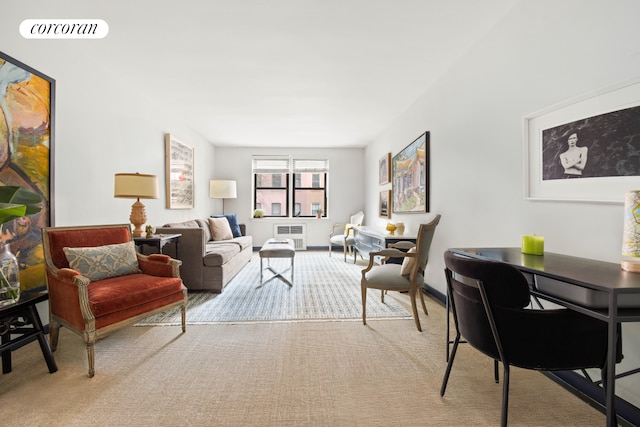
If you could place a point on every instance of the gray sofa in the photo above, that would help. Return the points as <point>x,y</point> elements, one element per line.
<point>207,265</point>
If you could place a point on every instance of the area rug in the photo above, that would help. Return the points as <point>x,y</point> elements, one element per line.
<point>324,289</point>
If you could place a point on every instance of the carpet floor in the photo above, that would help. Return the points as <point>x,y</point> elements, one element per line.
<point>324,288</point>
<point>278,374</point>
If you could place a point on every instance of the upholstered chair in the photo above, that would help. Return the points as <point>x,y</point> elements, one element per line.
<point>98,283</point>
<point>408,276</point>
<point>342,234</point>
<point>489,301</point>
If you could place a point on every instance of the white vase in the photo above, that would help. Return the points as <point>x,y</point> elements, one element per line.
<point>10,279</point>
<point>400,229</point>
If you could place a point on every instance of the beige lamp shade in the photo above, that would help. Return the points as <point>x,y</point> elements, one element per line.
<point>136,186</point>
<point>222,189</point>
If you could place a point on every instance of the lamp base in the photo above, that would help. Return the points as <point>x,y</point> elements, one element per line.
<point>138,218</point>
<point>632,266</point>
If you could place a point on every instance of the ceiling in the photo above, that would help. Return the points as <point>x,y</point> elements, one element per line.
<point>285,73</point>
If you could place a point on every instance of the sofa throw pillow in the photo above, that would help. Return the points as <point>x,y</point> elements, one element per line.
<point>407,263</point>
<point>220,229</point>
<point>233,223</point>
<point>103,262</point>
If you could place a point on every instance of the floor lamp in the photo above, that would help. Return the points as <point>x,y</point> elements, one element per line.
<point>136,186</point>
<point>222,189</point>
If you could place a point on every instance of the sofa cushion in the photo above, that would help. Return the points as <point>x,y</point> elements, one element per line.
<point>220,229</point>
<point>233,223</point>
<point>204,224</point>
<point>103,262</point>
<point>116,294</point>
<point>219,253</point>
<point>186,224</point>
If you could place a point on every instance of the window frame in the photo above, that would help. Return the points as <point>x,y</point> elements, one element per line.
<point>293,169</point>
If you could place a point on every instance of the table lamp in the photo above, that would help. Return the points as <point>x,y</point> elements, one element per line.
<point>136,186</point>
<point>222,189</point>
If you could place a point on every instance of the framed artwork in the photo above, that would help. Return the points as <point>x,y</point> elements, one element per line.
<point>27,129</point>
<point>383,207</point>
<point>384,169</point>
<point>586,149</point>
<point>179,173</point>
<point>410,177</point>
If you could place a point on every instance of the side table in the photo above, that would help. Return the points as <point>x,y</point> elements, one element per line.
<point>22,319</point>
<point>157,241</point>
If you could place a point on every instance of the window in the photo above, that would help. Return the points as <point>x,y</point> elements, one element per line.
<point>272,178</point>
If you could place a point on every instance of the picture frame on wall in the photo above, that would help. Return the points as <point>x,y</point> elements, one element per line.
<point>583,149</point>
<point>384,169</point>
<point>383,206</point>
<point>27,134</point>
<point>179,173</point>
<point>410,177</point>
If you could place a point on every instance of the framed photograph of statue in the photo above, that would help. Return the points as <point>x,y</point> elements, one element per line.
<point>179,173</point>
<point>410,177</point>
<point>27,130</point>
<point>586,149</point>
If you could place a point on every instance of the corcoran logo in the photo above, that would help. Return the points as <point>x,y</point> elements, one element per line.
<point>64,29</point>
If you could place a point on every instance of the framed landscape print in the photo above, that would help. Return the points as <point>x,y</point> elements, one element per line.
<point>585,149</point>
<point>384,169</point>
<point>410,177</point>
<point>27,123</point>
<point>179,173</point>
<point>383,207</point>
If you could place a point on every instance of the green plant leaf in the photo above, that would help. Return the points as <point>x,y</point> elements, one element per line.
<point>16,202</point>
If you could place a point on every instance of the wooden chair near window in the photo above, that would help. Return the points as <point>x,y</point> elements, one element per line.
<point>342,234</point>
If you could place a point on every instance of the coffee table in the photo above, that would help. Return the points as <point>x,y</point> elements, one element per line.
<point>277,248</point>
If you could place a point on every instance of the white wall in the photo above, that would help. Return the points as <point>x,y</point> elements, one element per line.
<point>346,189</point>
<point>542,53</point>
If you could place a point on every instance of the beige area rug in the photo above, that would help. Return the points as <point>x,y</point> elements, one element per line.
<point>324,289</point>
<point>278,374</point>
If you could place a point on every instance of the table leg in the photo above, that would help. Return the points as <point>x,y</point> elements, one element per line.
<point>610,386</point>
<point>42,340</point>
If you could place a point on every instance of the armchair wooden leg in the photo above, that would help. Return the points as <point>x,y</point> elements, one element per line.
<point>364,304</point>
<point>424,306</point>
<point>184,318</point>
<point>91,355</point>
<point>54,332</point>
<point>414,307</point>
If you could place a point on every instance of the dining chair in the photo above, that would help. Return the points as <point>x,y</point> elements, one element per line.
<point>405,277</point>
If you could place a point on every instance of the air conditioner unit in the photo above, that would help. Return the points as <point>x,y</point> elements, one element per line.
<point>296,232</point>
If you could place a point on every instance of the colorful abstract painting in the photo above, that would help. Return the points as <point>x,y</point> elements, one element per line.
<point>26,144</point>
<point>410,175</point>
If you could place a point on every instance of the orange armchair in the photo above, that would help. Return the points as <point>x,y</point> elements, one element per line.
<point>94,308</point>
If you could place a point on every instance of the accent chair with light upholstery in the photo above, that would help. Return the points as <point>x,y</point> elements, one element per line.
<point>342,234</point>
<point>408,276</point>
<point>98,283</point>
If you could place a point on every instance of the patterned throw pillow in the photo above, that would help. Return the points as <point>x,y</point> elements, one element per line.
<point>103,262</point>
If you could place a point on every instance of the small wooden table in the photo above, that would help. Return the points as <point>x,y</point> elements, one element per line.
<point>22,319</point>
<point>157,241</point>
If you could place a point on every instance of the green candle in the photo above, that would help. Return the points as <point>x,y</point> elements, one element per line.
<point>533,245</point>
